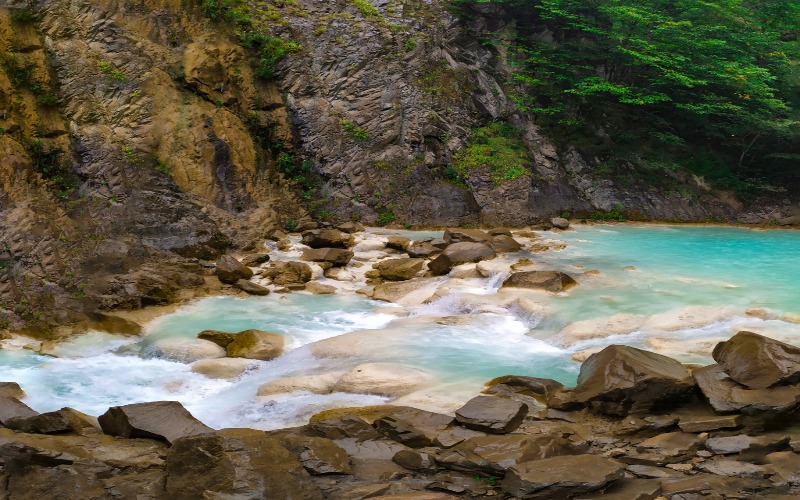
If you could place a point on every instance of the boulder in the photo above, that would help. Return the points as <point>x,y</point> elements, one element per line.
<point>457,235</point>
<point>184,350</point>
<point>11,407</point>
<point>460,253</point>
<point>404,291</point>
<point>319,288</point>
<point>11,389</point>
<point>55,422</point>
<point>229,270</point>
<point>236,463</point>
<point>561,477</point>
<point>422,249</point>
<point>727,396</point>
<point>742,443</point>
<point>224,368</point>
<point>222,339</point>
<point>534,392</point>
<point>336,256</point>
<point>412,427</point>
<point>620,380</point>
<point>550,281</point>
<point>317,384</point>
<point>399,269</point>
<point>398,243</point>
<point>287,273</point>
<point>256,344</point>
<point>492,415</point>
<point>327,238</point>
<point>559,223</point>
<point>164,420</point>
<point>758,362</point>
<point>255,260</point>
<point>387,379</point>
<point>319,456</point>
<point>350,227</point>
<point>505,244</point>
<point>251,288</point>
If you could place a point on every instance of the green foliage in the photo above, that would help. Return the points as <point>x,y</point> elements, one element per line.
<point>614,215</point>
<point>231,11</point>
<point>357,133</point>
<point>49,163</point>
<point>113,73</point>
<point>47,99</point>
<point>386,216</point>
<point>411,44</point>
<point>269,51</point>
<point>366,8</point>
<point>23,15</point>
<point>498,146</point>
<point>132,156</point>
<point>20,73</point>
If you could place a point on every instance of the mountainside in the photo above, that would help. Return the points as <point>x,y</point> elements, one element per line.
<point>141,137</point>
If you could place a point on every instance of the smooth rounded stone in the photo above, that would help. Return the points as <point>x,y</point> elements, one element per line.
<point>758,362</point>
<point>708,423</point>
<point>222,339</point>
<point>336,256</point>
<point>456,234</point>
<point>791,318</point>
<point>561,477</point>
<point>460,253</point>
<point>399,269</point>
<point>398,243</point>
<point>327,238</point>
<point>317,384</point>
<point>166,420</point>
<point>184,350</point>
<point>727,396</point>
<point>422,249</point>
<point>689,317</point>
<point>597,328</point>
<point>550,281</point>
<point>350,227</point>
<point>406,293</point>
<point>505,244</point>
<point>286,273</point>
<point>251,288</point>
<point>319,288</point>
<point>362,343</point>
<point>387,379</point>
<point>620,380</point>
<point>11,389</point>
<point>370,245</point>
<point>229,270</point>
<point>560,223</point>
<point>761,313</point>
<point>223,368</point>
<point>732,468</point>
<point>416,461</point>
<point>491,414</point>
<point>339,274</point>
<point>236,463</point>
<point>55,422</point>
<point>11,407</point>
<point>255,260</point>
<point>256,344</point>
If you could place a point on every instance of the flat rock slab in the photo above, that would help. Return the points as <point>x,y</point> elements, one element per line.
<point>672,444</point>
<point>251,288</point>
<point>11,407</point>
<point>709,423</point>
<point>496,454</point>
<point>743,443</point>
<point>727,396</point>
<point>758,362</point>
<point>492,415</point>
<point>561,477</point>
<point>165,420</point>
<point>550,281</point>
<point>733,468</point>
<point>414,428</point>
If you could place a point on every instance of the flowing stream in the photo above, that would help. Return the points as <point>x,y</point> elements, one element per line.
<point>674,290</point>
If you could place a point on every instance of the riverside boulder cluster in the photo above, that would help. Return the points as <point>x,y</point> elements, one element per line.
<point>638,425</point>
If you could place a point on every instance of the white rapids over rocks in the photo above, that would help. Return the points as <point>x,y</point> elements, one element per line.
<point>434,346</point>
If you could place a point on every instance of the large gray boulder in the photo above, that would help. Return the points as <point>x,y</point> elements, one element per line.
<point>561,477</point>
<point>550,281</point>
<point>327,238</point>
<point>758,362</point>
<point>229,270</point>
<point>492,415</point>
<point>164,420</point>
<point>620,380</point>
<point>460,253</point>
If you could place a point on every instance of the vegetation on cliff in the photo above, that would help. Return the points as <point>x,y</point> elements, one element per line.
<point>711,87</point>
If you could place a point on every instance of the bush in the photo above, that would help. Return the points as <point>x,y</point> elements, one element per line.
<point>498,146</point>
<point>270,50</point>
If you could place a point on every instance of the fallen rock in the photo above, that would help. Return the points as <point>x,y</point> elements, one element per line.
<point>229,270</point>
<point>727,396</point>
<point>732,468</point>
<point>460,253</point>
<point>786,465</point>
<point>758,362</point>
<point>559,223</point>
<point>414,428</point>
<point>744,444</point>
<point>256,344</point>
<point>709,423</point>
<point>248,286</point>
<point>457,235</point>
<point>620,380</point>
<point>491,414</point>
<point>224,368</point>
<point>561,477</point>
<point>165,420</point>
<point>11,389</point>
<point>287,273</point>
<point>505,244</point>
<point>399,269</point>
<point>255,260</point>
<point>422,249</point>
<point>327,238</point>
<point>388,379</point>
<point>551,281</point>
<point>222,339</point>
<point>673,444</point>
<point>11,407</point>
<point>336,256</point>
<point>54,422</point>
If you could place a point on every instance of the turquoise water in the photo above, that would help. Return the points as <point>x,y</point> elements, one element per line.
<point>469,336</point>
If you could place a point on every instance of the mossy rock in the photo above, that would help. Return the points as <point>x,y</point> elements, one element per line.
<point>256,344</point>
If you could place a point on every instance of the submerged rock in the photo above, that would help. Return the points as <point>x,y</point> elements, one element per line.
<point>758,362</point>
<point>551,281</point>
<point>165,420</point>
<point>317,384</point>
<point>561,477</point>
<point>229,270</point>
<point>256,344</point>
<point>460,253</point>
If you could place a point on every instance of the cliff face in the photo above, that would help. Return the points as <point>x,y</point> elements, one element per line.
<point>135,138</point>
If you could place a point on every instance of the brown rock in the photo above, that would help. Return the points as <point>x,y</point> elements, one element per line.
<point>491,414</point>
<point>727,396</point>
<point>256,344</point>
<point>505,244</point>
<point>758,362</point>
<point>744,444</point>
<point>327,238</point>
<point>672,444</point>
<point>319,456</point>
<point>54,422</point>
<point>336,256</point>
<point>230,270</point>
<point>397,243</point>
<point>414,428</point>
<point>350,227</point>
<point>251,288</point>
<point>399,269</point>
<point>11,389</point>
<point>561,477</point>
<point>457,235</point>
<point>255,260</point>
<point>732,468</point>
<point>319,288</point>
<point>709,423</point>
<point>286,273</point>
<point>551,281</point>
<point>539,388</point>
<point>414,460</point>
<point>628,489</point>
<point>460,253</point>
<point>14,408</point>
<point>165,420</point>
<point>422,249</point>
<point>222,339</point>
<point>559,223</point>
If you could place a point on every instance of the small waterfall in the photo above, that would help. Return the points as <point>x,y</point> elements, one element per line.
<point>496,280</point>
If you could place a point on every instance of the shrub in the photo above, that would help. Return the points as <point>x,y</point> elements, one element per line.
<point>498,146</point>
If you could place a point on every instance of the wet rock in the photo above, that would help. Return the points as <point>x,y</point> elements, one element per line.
<point>399,243</point>
<point>184,350</point>
<point>709,423</point>
<point>620,380</point>
<point>222,339</point>
<point>414,428</point>
<point>387,379</point>
<point>336,256</point>
<point>11,389</point>
<point>224,368</point>
<point>732,468</point>
<point>559,223</point>
<point>561,477</point>
<point>727,396</point>
<point>550,281</point>
<point>399,269</point>
<point>457,235</point>
<point>251,288</point>
<point>758,362</point>
<point>492,415</point>
<point>256,344</point>
<point>339,274</point>
<point>319,456</point>
<point>327,238</point>
<point>319,288</point>
<point>505,244</point>
<point>165,420</point>
<point>229,270</point>
<point>14,408</point>
<point>422,249</point>
<point>236,463</point>
<point>287,273</point>
<point>460,253</point>
<point>256,259</point>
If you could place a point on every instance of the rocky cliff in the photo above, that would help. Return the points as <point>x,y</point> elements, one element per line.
<point>136,138</point>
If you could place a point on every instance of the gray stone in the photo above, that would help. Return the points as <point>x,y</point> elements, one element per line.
<point>492,415</point>
<point>561,477</point>
<point>460,253</point>
<point>732,468</point>
<point>758,362</point>
<point>727,396</point>
<point>165,420</point>
<point>559,223</point>
<point>13,408</point>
